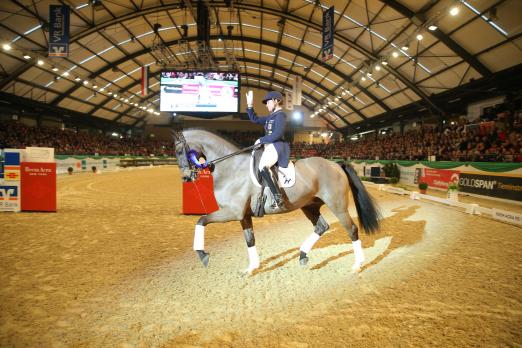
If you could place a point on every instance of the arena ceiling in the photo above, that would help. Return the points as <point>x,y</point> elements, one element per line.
<point>388,54</point>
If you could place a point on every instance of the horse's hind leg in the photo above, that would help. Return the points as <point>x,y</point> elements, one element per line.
<point>248,231</point>
<point>313,214</point>
<point>353,232</point>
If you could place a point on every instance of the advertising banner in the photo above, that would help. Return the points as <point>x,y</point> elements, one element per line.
<point>439,178</point>
<point>492,185</point>
<point>58,31</point>
<point>38,186</point>
<point>198,195</point>
<point>9,196</point>
<point>328,34</point>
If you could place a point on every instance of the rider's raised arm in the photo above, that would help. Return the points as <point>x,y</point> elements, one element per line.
<point>253,117</point>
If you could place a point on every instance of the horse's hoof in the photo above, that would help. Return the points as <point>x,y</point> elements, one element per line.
<point>356,268</point>
<point>204,257</point>
<point>303,261</point>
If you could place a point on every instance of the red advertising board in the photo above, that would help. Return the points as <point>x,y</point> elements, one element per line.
<point>38,186</point>
<point>198,195</point>
<point>439,178</point>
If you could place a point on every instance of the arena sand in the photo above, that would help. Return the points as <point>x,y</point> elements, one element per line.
<point>114,268</point>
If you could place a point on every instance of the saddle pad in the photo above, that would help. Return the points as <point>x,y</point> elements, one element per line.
<point>285,176</point>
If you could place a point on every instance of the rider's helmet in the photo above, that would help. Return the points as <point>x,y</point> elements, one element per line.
<point>272,95</point>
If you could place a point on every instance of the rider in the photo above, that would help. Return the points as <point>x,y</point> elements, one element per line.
<point>276,150</point>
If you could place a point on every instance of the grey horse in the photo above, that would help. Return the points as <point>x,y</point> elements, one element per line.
<point>318,182</point>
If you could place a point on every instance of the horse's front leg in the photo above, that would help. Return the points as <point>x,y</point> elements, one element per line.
<point>248,231</point>
<point>222,215</point>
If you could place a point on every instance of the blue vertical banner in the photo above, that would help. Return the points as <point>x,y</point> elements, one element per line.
<point>58,31</point>
<point>328,34</point>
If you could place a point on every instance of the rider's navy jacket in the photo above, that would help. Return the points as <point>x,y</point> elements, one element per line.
<point>275,125</point>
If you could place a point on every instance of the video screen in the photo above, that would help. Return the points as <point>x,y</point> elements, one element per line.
<point>198,91</point>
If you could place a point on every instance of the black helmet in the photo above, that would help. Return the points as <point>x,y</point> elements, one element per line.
<point>272,95</point>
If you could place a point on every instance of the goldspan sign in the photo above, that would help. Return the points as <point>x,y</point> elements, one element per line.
<point>491,185</point>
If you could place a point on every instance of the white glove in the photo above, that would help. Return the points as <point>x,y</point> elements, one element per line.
<point>257,141</point>
<point>250,98</point>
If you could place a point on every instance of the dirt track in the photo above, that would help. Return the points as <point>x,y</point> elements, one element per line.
<point>114,267</point>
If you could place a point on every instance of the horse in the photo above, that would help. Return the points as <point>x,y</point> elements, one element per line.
<point>318,182</point>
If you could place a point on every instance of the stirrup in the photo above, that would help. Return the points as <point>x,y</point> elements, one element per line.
<point>278,201</point>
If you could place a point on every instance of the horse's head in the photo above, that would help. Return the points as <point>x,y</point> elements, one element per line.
<point>186,168</point>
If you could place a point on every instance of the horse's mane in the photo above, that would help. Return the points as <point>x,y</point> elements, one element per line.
<point>220,136</point>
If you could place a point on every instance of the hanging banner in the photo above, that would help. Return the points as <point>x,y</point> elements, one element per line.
<point>297,89</point>
<point>328,34</point>
<point>289,96</point>
<point>58,31</point>
<point>144,81</point>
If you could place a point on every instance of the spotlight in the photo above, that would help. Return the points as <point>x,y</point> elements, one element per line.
<point>454,11</point>
<point>405,47</point>
<point>54,68</point>
<point>26,56</point>
<point>384,62</point>
<point>420,37</point>
<point>6,46</point>
<point>85,82</point>
<point>378,67</point>
<point>40,62</point>
<point>395,54</point>
<point>102,89</point>
<point>66,73</point>
<point>432,27</point>
<point>78,79</point>
<point>363,78</point>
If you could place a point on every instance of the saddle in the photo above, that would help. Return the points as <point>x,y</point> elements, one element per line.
<point>285,178</point>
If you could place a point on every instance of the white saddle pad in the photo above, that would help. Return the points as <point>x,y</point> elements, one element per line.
<point>286,176</point>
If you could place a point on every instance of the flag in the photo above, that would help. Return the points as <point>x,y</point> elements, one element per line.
<point>144,80</point>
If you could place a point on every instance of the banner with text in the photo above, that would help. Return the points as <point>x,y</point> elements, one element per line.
<point>58,31</point>
<point>494,186</point>
<point>328,34</point>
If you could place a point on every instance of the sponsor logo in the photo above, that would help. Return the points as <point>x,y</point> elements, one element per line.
<point>12,175</point>
<point>8,193</point>
<point>478,183</point>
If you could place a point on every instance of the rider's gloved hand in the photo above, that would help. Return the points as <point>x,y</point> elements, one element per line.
<point>250,99</point>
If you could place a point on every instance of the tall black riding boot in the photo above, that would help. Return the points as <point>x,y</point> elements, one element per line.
<point>276,192</point>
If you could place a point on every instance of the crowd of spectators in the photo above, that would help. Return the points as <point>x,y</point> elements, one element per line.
<point>68,142</point>
<point>487,141</point>
<point>462,141</point>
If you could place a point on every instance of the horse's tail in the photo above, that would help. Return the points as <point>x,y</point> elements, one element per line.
<point>369,214</point>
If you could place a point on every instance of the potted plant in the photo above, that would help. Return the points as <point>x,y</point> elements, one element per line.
<point>453,191</point>
<point>423,187</point>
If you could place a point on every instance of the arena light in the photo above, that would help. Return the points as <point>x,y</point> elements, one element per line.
<point>432,27</point>
<point>40,62</point>
<point>54,69</point>
<point>85,82</point>
<point>102,89</point>
<point>6,47</point>
<point>395,54</point>
<point>454,11</point>
<point>114,134</point>
<point>66,73</point>
<point>363,78</point>
<point>420,37</point>
<point>78,79</point>
<point>26,56</point>
<point>378,67</point>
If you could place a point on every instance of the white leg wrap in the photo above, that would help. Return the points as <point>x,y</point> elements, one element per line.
<point>199,237</point>
<point>358,252</point>
<point>253,259</point>
<point>309,242</point>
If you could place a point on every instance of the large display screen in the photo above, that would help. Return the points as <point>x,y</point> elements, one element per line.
<point>199,91</point>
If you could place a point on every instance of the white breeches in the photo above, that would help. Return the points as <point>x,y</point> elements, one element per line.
<point>269,157</point>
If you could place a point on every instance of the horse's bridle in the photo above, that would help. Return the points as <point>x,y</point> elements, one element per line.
<point>190,156</point>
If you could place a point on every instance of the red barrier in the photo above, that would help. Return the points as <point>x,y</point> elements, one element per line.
<point>198,195</point>
<point>38,186</point>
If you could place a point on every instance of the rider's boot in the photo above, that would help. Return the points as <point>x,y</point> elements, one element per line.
<point>276,192</point>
